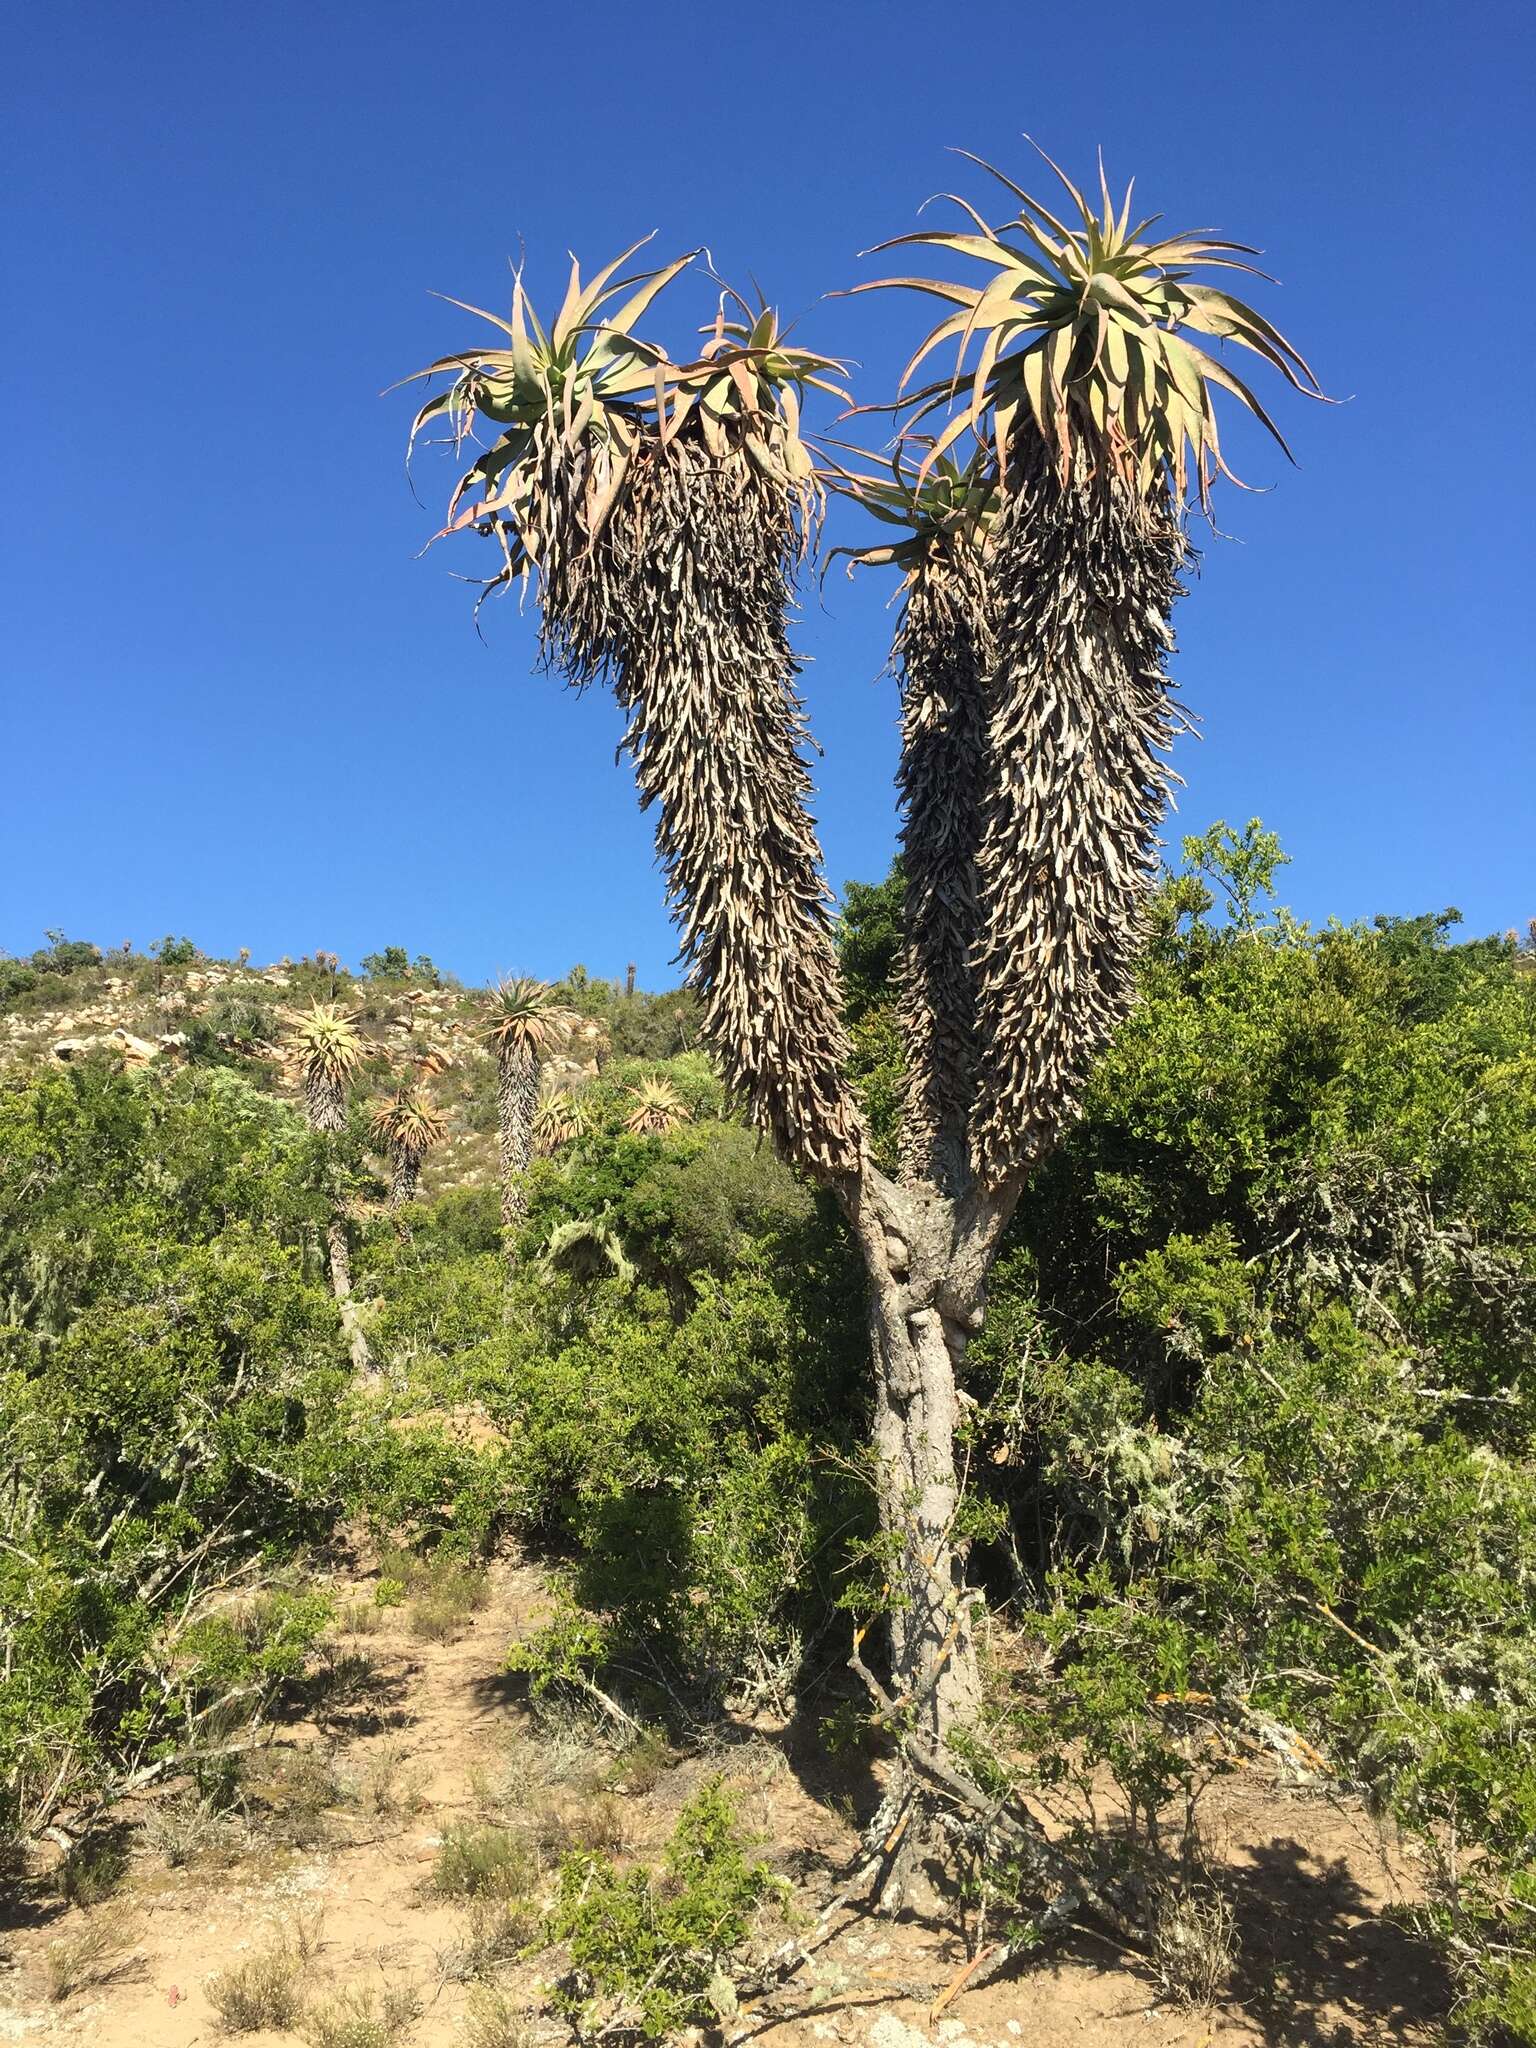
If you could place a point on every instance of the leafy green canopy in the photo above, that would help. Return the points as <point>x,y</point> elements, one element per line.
<point>1256,1391</point>
<point>171,1408</point>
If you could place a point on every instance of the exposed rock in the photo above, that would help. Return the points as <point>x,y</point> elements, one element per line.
<point>891,2031</point>
<point>136,1051</point>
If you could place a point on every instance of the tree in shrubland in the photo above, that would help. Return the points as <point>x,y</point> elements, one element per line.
<point>525,1024</point>
<point>330,1052</point>
<point>407,1127</point>
<point>663,506</point>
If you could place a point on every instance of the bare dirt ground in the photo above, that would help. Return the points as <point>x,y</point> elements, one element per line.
<point>428,1734</point>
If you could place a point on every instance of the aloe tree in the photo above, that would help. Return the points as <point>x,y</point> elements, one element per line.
<point>407,1127</point>
<point>524,1026</point>
<point>663,505</point>
<point>330,1052</point>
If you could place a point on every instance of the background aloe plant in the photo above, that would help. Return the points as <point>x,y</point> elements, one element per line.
<point>330,1052</point>
<point>407,1126</point>
<point>525,1024</point>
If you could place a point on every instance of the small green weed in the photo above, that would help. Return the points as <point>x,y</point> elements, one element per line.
<point>483,1863</point>
<point>657,1941</point>
<point>440,1591</point>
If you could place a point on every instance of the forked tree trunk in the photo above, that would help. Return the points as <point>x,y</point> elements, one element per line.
<point>926,1258</point>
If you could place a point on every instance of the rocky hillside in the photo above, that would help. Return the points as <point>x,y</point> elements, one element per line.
<point>241,1015</point>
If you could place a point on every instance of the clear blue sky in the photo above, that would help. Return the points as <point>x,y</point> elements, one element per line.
<point>235,706</point>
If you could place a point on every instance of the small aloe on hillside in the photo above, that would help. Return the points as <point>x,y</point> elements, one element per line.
<point>658,1108</point>
<point>330,1053</point>
<point>561,1117</point>
<point>407,1126</point>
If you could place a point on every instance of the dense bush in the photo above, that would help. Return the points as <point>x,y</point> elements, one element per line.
<point>1258,1382</point>
<point>1251,1446</point>
<point>60,958</point>
<point>636,1022</point>
<point>646,1946</point>
<point>171,1423</point>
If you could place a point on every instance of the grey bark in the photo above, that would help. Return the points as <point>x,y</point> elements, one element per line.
<point>927,1255</point>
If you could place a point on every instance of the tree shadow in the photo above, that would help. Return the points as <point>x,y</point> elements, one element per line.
<point>350,1695</point>
<point>1317,1963</point>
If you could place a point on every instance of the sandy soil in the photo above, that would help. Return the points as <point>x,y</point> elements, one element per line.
<point>448,1731</point>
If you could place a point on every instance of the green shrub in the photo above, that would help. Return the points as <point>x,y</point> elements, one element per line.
<point>657,1941</point>
<point>173,1404</point>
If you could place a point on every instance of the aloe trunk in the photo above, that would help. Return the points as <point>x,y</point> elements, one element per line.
<point>690,623</point>
<point>326,1109</point>
<point>405,1175</point>
<point>517,1095</point>
<point>1081,719</point>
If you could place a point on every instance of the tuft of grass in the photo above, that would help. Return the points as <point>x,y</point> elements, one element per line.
<point>641,1764</point>
<point>1192,1942</point>
<point>93,1954</point>
<point>264,1991</point>
<point>483,1863</point>
<point>444,1605</point>
<point>495,1933</point>
<point>601,1824</point>
<point>388,1784</point>
<point>587,1816</point>
<point>343,1680</point>
<point>571,1734</point>
<point>360,1618</point>
<point>297,1791</point>
<point>358,2018</point>
<point>493,2020</point>
<point>92,1870</point>
<point>183,1827</point>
